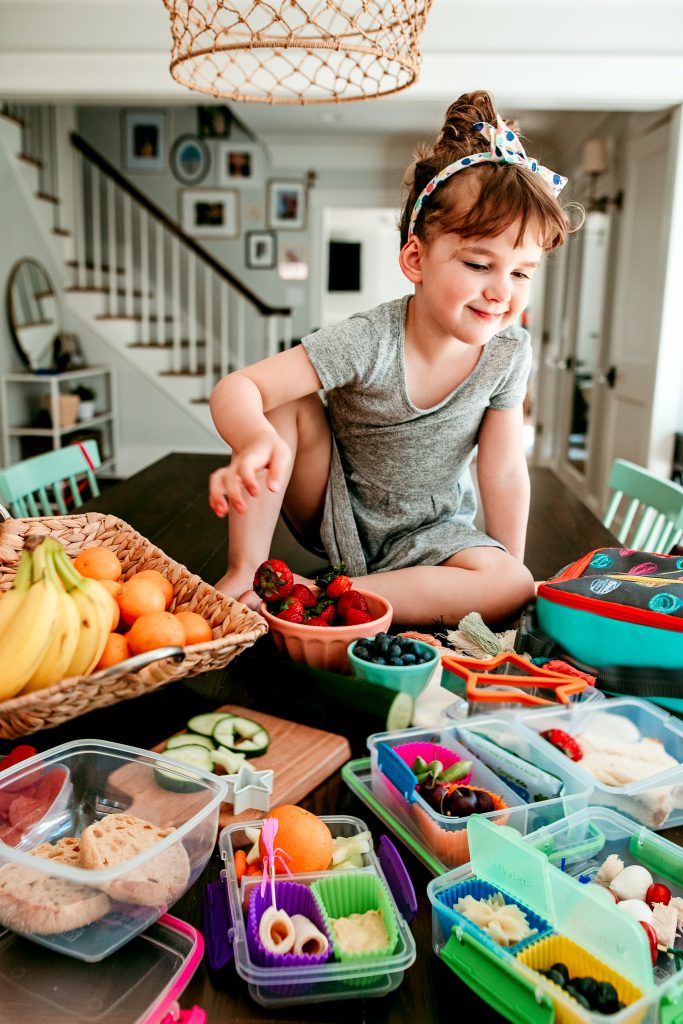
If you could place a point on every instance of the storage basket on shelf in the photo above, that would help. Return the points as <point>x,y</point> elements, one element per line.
<point>234,626</point>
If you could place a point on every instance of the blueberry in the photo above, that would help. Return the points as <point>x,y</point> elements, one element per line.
<point>384,645</point>
<point>378,661</point>
<point>395,651</point>
<point>555,976</point>
<point>561,969</point>
<point>394,661</point>
<point>409,659</point>
<point>581,1000</point>
<point>424,656</point>
<point>360,651</point>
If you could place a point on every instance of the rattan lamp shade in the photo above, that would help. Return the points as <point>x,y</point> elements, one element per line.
<point>296,51</point>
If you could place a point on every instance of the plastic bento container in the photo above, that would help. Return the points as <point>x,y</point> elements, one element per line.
<point>537,792</point>
<point>580,844</point>
<point>136,985</point>
<point>273,986</point>
<point>589,934</point>
<point>655,801</point>
<point>90,913</point>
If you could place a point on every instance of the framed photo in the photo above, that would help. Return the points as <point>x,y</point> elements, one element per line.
<point>144,140</point>
<point>292,263</point>
<point>286,205</point>
<point>214,122</point>
<point>209,213</point>
<point>240,164</point>
<point>260,250</point>
<point>190,159</point>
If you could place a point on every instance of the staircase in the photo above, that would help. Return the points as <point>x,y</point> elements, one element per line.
<point>144,286</point>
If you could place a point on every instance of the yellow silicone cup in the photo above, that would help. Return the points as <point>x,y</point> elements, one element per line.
<point>541,955</point>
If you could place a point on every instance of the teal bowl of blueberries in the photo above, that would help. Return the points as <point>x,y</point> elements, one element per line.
<point>395,662</point>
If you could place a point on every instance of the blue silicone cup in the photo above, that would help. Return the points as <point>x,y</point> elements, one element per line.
<point>449,917</point>
<point>410,679</point>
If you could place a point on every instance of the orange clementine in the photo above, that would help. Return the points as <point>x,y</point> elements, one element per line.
<point>157,577</point>
<point>197,629</point>
<point>98,563</point>
<point>115,650</point>
<point>138,597</point>
<point>113,587</point>
<point>303,836</point>
<point>155,629</point>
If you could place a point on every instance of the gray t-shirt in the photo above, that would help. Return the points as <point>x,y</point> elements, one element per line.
<point>400,491</point>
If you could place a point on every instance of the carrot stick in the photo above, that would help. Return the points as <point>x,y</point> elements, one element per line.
<point>254,869</point>
<point>240,863</point>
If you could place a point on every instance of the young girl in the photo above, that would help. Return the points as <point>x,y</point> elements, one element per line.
<point>379,477</point>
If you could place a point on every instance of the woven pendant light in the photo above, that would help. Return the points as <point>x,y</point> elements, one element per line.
<point>296,51</point>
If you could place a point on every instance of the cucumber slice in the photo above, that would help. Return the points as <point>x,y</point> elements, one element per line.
<point>205,724</point>
<point>242,736</point>
<point>400,714</point>
<point>184,739</point>
<point>193,755</point>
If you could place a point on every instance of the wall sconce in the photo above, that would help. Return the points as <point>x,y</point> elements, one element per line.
<point>594,163</point>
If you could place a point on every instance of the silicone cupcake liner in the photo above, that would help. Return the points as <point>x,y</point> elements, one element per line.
<point>540,954</point>
<point>449,917</point>
<point>355,893</point>
<point>294,899</point>
<point>430,751</point>
<point>449,843</point>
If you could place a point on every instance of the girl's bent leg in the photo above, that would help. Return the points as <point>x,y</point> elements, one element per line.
<point>485,580</point>
<point>304,427</point>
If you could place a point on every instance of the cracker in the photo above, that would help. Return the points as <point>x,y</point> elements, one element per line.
<point>64,851</point>
<point>40,904</point>
<point>118,837</point>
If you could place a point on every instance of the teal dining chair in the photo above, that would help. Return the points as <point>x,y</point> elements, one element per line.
<point>653,511</point>
<point>46,484</point>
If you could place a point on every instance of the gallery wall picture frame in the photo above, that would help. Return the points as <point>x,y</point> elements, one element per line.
<point>292,261</point>
<point>239,165</point>
<point>209,212</point>
<point>144,140</point>
<point>214,122</point>
<point>260,250</point>
<point>286,205</point>
<point>190,159</point>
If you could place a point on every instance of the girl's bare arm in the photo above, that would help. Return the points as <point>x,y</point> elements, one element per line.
<point>503,478</point>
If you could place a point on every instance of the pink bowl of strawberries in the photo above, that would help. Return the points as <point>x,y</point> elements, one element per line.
<point>316,624</point>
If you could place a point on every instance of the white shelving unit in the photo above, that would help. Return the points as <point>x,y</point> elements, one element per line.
<point>22,397</point>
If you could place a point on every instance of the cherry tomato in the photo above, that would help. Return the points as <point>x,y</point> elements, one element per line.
<point>657,893</point>
<point>652,939</point>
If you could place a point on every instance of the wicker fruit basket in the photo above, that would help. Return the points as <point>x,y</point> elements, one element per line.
<point>234,626</point>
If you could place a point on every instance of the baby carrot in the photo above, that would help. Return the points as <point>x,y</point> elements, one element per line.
<point>240,863</point>
<point>254,869</point>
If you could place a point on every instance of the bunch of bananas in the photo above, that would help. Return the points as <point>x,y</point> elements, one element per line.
<point>54,622</point>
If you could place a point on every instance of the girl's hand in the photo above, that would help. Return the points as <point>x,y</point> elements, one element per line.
<point>230,487</point>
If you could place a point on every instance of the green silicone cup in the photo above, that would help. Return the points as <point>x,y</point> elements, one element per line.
<point>353,893</point>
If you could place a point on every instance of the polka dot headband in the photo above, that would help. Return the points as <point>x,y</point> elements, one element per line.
<point>505,149</point>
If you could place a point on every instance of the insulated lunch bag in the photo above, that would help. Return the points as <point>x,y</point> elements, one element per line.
<point>620,613</point>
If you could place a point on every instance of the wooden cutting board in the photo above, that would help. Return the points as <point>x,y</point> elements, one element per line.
<point>300,756</point>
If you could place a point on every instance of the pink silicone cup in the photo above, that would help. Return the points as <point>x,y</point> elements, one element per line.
<point>294,899</point>
<point>430,752</point>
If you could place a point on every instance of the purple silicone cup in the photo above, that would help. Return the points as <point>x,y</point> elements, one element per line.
<point>293,898</point>
<point>430,752</point>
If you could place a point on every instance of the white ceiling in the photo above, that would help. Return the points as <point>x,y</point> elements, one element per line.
<point>559,65</point>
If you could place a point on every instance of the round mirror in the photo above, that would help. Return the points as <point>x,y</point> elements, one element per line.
<point>34,313</point>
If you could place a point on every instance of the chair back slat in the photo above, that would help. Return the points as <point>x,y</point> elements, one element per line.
<point>24,486</point>
<point>653,518</point>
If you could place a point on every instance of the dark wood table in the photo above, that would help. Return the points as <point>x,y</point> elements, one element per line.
<point>167,503</point>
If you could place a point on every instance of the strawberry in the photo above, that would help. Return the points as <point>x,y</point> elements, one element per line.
<point>316,620</point>
<point>304,594</point>
<point>291,610</point>
<point>356,616</point>
<point>273,580</point>
<point>339,585</point>
<point>325,576</point>
<point>350,599</point>
<point>564,742</point>
<point>325,609</point>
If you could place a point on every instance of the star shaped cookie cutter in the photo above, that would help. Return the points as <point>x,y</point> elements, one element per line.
<point>250,787</point>
<point>482,684</point>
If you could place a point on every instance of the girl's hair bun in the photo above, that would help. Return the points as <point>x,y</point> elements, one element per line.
<point>467,110</point>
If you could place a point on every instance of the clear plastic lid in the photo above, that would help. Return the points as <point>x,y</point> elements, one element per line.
<point>40,986</point>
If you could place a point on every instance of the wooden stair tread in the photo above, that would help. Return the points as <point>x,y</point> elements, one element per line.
<point>47,198</point>
<point>31,160</point>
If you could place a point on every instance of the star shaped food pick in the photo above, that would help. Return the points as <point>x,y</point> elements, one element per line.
<point>250,788</point>
<point>481,684</point>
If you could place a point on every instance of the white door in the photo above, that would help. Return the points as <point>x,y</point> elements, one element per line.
<point>625,384</point>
